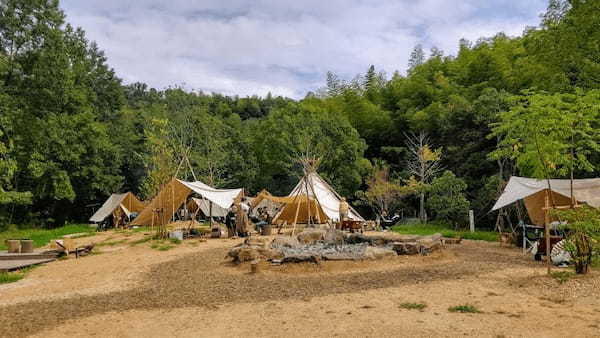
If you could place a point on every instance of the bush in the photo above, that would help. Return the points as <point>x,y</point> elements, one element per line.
<point>446,201</point>
<point>583,235</point>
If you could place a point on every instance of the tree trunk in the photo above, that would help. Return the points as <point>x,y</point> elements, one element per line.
<point>422,215</point>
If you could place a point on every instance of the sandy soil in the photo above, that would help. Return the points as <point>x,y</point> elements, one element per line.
<point>134,290</point>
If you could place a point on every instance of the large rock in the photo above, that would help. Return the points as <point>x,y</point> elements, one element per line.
<point>334,237</point>
<point>407,248</point>
<point>372,252</point>
<point>311,236</point>
<point>246,253</point>
<point>285,242</point>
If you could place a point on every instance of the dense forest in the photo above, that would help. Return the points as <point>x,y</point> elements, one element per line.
<point>72,133</point>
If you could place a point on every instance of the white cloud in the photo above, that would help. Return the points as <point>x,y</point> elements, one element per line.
<point>285,47</point>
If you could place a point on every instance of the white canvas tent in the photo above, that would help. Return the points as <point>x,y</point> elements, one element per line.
<point>126,203</point>
<point>313,197</point>
<point>532,191</point>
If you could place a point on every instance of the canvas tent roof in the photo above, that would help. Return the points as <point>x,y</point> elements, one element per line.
<point>532,192</point>
<point>325,199</point>
<point>127,202</point>
<point>204,206</point>
<point>175,193</point>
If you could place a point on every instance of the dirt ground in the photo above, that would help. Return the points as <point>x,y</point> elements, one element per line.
<point>133,290</point>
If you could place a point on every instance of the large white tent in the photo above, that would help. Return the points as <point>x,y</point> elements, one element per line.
<point>532,191</point>
<point>312,197</point>
<point>125,203</point>
<point>175,193</point>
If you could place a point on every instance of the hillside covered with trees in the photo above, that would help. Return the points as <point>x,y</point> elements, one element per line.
<point>443,134</point>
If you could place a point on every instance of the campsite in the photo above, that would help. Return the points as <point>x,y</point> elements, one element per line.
<point>299,168</point>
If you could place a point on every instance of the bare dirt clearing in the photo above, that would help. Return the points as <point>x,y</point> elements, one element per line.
<point>190,290</point>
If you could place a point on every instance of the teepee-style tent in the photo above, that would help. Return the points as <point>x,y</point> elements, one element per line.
<point>175,193</point>
<point>116,206</point>
<point>313,200</point>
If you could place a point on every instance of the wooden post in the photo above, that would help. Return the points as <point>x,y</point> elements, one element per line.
<point>547,229</point>
<point>471,221</point>
<point>210,214</point>
<point>296,218</point>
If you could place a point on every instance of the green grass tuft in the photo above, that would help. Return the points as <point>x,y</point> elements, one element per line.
<point>42,237</point>
<point>413,306</point>
<point>10,277</point>
<point>175,240</point>
<point>464,309</point>
<point>562,276</point>
<point>141,240</point>
<point>432,228</point>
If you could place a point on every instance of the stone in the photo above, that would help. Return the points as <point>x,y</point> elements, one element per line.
<point>285,241</point>
<point>334,237</point>
<point>311,236</point>
<point>372,252</point>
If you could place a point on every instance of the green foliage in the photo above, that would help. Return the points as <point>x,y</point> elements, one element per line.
<point>561,276</point>
<point>433,228</point>
<point>446,200</point>
<point>413,306</point>
<point>464,309</point>
<point>10,277</point>
<point>549,134</point>
<point>71,133</point>
<point>41,237</point>
<point>583,235</point>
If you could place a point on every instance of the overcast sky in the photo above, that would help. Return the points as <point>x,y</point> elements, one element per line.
<point>280,46</point>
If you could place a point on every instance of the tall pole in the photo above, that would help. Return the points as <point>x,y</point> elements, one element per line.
<point>547,229</point>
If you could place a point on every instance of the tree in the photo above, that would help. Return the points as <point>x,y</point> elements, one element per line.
<point>423,164</point>
<point>548,135</point>
<point>446,200</point>
<point>417,58</point>
<point>160,162</point>
<point>382,193</point>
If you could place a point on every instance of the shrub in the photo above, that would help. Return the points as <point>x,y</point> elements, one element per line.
<point>464,309</point>
<point>583,235</point>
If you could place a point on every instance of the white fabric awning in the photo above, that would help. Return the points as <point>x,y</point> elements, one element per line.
<point>113,202</point>
<point>584,190</point>
<point>204,205</point>
<point>223,198</point>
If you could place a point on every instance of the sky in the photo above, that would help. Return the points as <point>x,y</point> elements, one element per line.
<point>285,47</point>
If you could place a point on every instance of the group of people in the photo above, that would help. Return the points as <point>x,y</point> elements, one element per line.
<point>238,222</point>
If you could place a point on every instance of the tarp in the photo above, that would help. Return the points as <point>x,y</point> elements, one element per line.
<point>204,206</point>
<point>324,197</point>
<point>532,191</point>
<point>175,193</point>
<point>221,197</point>
<point>127,202</point>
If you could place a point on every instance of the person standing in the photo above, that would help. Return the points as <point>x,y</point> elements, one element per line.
<point>241,222</point>
<point>344,207</point>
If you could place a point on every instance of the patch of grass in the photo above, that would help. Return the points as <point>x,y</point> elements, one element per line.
<point>15,276</point>
<point>111,243</point>
<point>41,237</point>
<point>10,277</point>
<point>562,276</point>
<point>141,240</point>
<point>160,245</point>
<point>432,228</point>
<point>175,240</point>
<point>413,306</point>
<point>464,309</point>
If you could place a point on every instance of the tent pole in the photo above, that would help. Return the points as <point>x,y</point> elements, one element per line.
<point>312,188</point>
<point>308,204</point>
<point>296,218</point>
<point>547,229</point>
